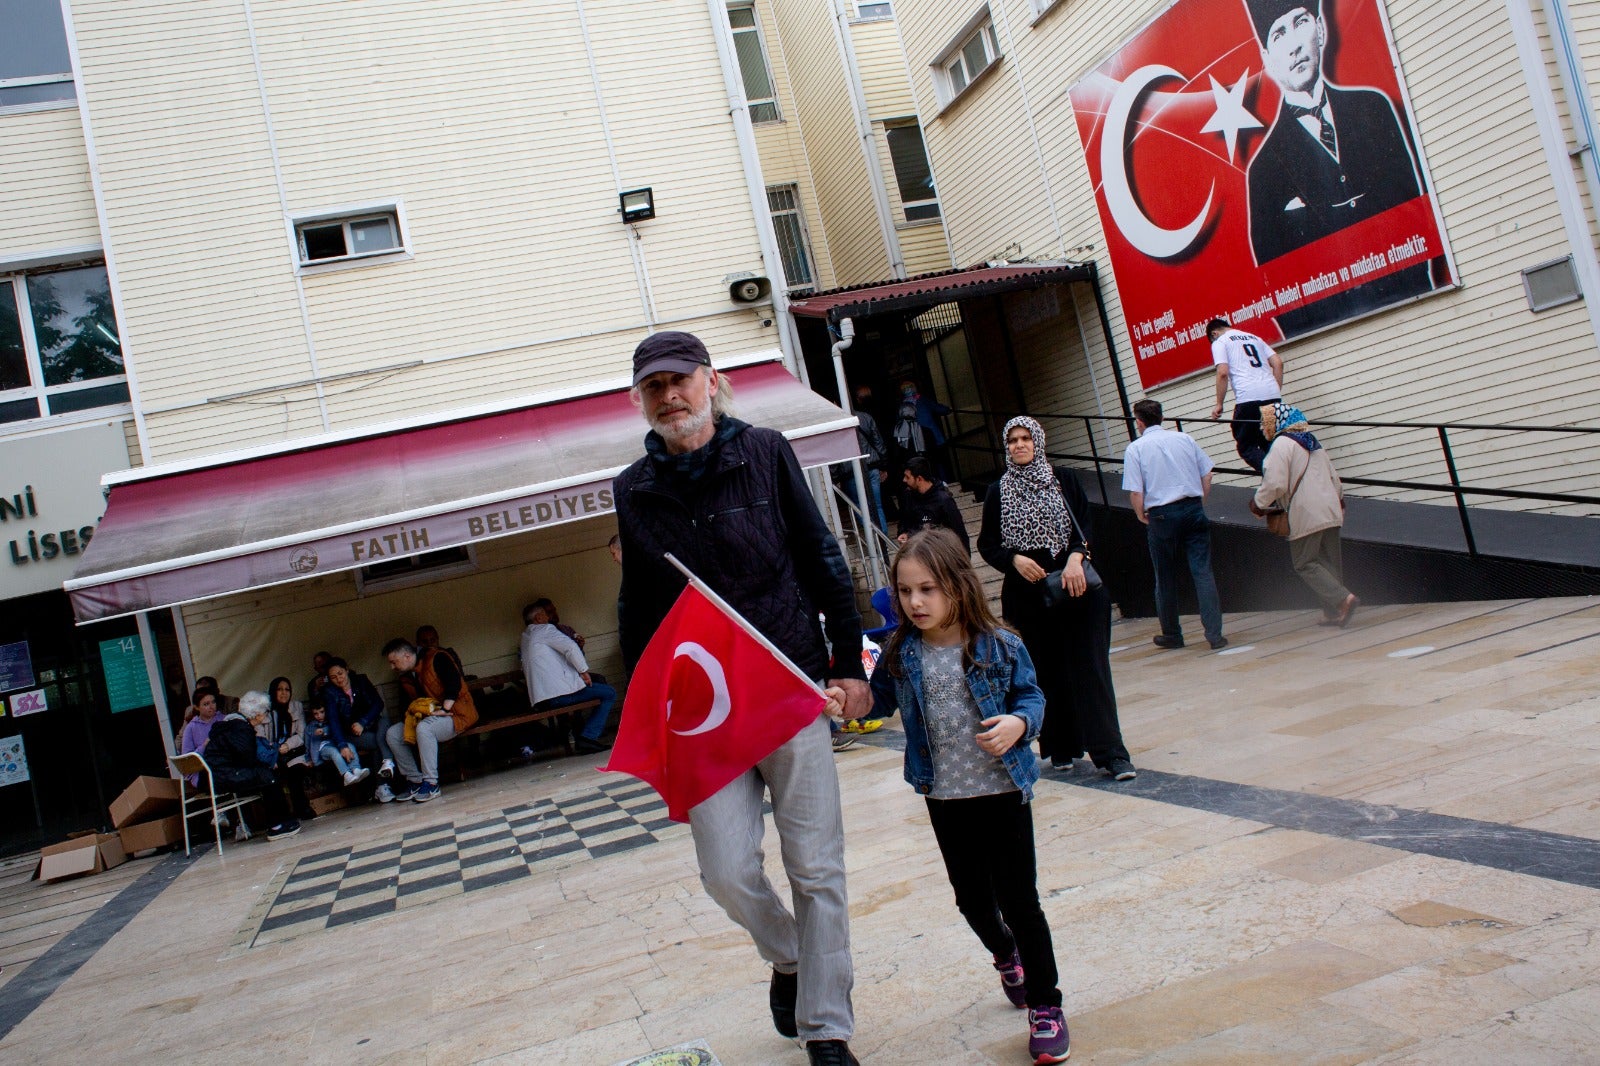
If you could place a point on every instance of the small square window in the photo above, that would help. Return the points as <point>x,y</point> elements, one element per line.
<point>325,240</point>
<point>1551,284</point>
<point>975,49</point>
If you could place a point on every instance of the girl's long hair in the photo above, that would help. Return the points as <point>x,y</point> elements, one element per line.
<point>947,559</point>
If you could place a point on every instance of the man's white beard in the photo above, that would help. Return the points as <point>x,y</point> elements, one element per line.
<point>683,428</point>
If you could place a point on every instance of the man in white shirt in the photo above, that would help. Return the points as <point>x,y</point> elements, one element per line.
<point>1167,476</point>
<point>558,676</point>
<point>1249,364</point>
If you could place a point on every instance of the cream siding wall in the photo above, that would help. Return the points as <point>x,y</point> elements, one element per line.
<point>782,148</point>
<point>1475,354</point>
<point>49,201</point>
<point>844,210</point>
<point>881,66</point>
<point>248,639</point>
<point>482,121</point>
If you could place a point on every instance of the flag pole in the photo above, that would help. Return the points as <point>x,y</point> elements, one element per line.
<point>738,619</point>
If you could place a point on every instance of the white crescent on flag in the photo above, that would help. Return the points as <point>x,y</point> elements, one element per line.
<point>720,703</point>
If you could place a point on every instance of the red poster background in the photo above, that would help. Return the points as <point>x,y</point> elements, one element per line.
<point>1172,166</point>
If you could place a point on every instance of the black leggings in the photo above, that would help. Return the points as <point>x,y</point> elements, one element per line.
<point>987,844</point>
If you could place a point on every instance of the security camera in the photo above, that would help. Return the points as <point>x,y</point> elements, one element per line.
<point>747,287</point>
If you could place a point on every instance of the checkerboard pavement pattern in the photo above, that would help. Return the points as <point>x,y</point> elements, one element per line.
<point>351,884</point>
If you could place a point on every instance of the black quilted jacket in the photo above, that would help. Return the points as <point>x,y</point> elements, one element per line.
<point>750,529</point>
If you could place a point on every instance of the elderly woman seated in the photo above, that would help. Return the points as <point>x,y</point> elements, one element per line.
<point>241,761</point>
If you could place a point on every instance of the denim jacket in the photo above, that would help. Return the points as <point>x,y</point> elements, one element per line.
<point>1002,681</point>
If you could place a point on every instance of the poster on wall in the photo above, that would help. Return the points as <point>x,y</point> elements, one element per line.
<point>16,666</point>
<point>13,761</point>
<point>33,702</point>
<point>1257,160</point>
<point>127,681</point>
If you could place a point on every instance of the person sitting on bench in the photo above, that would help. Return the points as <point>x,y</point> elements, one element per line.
<point>431,673</point>
<point>558,676</point>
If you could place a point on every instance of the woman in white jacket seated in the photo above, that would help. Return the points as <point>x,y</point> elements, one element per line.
<point>1299,477</point>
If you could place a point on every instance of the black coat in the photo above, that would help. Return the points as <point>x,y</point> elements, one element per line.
<point>934,508</point>
<point>1299,194</point>
<point>1021,600</point>
<point>748,528</point>
<point>232,754</point>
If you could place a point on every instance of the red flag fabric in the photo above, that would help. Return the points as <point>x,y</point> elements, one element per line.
<point>706,703</point>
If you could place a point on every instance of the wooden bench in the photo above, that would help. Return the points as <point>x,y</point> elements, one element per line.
<point>487,724</point>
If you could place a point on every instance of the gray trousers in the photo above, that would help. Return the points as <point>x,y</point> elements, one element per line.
<point>815,939</point>
<point>431,732</point>
<point>1317,562</point>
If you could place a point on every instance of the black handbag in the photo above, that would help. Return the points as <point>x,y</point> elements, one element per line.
<point>1055,596</point>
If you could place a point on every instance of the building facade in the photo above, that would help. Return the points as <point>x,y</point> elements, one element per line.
<point>1020,103</point>
<point>253,255</point>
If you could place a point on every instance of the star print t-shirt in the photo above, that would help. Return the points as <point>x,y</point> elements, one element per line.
<point>961,769</point>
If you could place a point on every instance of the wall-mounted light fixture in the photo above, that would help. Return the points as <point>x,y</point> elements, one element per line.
<point>638,205</point>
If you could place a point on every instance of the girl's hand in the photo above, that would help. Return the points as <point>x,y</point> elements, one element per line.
<point>283,749</point>
<point>1003,731</point>
<point>1072,579</point>
<point>349,753</point>
<point>1030,570</point>
<point>834,708</point>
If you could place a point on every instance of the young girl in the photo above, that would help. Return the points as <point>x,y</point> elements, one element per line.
<point>972,705</point>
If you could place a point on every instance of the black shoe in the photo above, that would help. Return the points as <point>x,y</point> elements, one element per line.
<point>781,995</point>
<point>1219,643</point>
<point>305,815</point>
<point>1161,640</point>
<point>1122,770</point>
<point>830,1053</point>
<point>585,746</point>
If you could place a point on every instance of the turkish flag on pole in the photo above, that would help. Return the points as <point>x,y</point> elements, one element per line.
<point>709,699</point>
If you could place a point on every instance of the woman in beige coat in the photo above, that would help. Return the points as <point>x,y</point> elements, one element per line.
<point>1299,477</point>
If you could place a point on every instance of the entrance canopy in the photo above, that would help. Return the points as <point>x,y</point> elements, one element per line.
<point>927,290</point>
<point>190,532</point>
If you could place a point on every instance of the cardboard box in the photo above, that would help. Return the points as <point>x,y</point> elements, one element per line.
<point>91,853</point>
<point>157,834</point>
<point>146,798</point>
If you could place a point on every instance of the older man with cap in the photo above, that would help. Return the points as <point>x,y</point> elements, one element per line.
<point>1335,156</point>
<point>728,499</point>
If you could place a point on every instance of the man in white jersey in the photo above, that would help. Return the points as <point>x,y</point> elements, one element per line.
<point>1256,374</point>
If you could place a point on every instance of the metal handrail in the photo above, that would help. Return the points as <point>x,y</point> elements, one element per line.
<point>1456,488</point>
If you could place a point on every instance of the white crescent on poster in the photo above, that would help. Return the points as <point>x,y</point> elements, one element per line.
<point>720,703</point>
<point>1143,234</point>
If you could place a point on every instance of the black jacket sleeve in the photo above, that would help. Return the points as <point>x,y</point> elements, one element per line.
<point>820,565</point>
<point>994,553</point>
<point>949,516</point>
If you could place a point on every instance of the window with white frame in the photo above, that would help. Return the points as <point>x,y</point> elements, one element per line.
<point>865,10</point>
<point>794,245</point>
<point>912,174</point>
<point>976,50</point>
<point>753,66</point>
<point>416,569</point>
<point>35,68</point>
<point>60,350</point>
<point>345,237</point>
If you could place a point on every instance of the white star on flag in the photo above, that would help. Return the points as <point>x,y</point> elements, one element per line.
<point>1231,115</point>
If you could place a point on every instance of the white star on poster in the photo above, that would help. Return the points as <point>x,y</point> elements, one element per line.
<point>1231,115</point>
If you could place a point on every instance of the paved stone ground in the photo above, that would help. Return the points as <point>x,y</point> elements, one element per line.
<point>1374,845</point>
